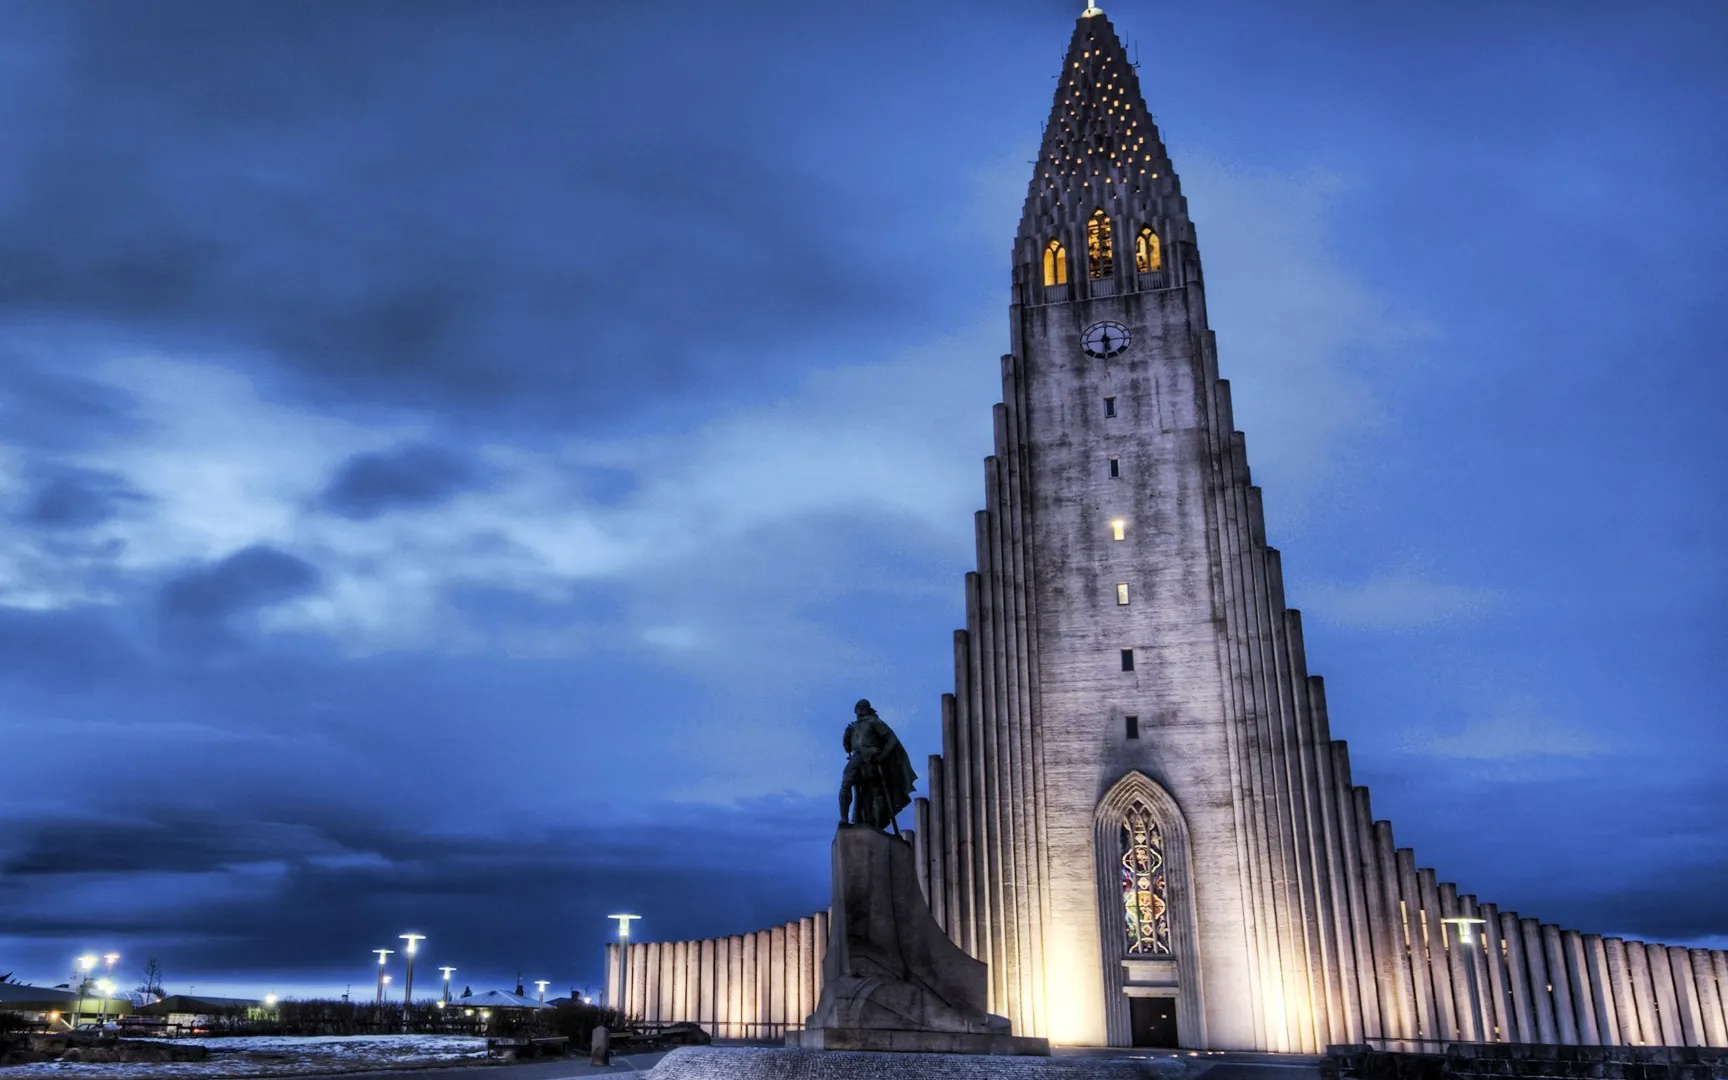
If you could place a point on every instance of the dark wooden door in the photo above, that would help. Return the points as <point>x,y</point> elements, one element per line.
<point>1153,1020</point>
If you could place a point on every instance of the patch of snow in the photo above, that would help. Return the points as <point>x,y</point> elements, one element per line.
<point>271,1055</point>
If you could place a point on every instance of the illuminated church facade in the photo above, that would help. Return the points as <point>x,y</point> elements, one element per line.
<point>1139,819</point>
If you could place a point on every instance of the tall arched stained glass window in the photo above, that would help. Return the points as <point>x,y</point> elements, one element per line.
<point>1145,899</point>
<point>1147,255</point>
<point>1055,264</point>
<point>1100,250</point>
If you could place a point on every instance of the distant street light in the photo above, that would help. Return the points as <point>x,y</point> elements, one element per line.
<point>446,971</point>
<point>107,988</point>
<point>269,999</point>
<point>382,978</point>
<point>542,984</point>
<point>85,963</point>
<point>623,1001</point>
<point>1467,941</point>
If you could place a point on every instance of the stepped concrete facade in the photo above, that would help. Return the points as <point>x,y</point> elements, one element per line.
<point>1140,820</point>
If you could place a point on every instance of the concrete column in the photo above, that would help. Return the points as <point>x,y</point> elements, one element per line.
<point>723,988</point>
<point>680,981</point>
<point>1491,967</point>
<point>614,958</point>
<point>1644,995</point>
<point>1714,1029</point>
<point>652,1009</point>
<point>807,975</point>
<point>1457,962</point>
<point>1371,986</point>
<point>1620,982</point>
<point>750,989</point>
<point>1602,990</point>
<point>1404,974</point>
<point>1430,942</point>
<point>1719,964</point>
<point>776,979</point>
<point>1565,1010</point>
<point>1578,982</point>
<point>1667,1003</point>
<point>1541,983</point>
<point>978,766</point>
<point>986,643</point>
<point>1686,995</point>
<point>1524,1023</point>
<point>936,844</point>
<point>921,848</point>
<point>957,778</point>
<point>641,974</point>
<point>1421,971</point>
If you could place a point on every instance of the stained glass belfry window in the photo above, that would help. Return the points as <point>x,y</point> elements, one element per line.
<point>1145,899</point>
<point>1100,248</point>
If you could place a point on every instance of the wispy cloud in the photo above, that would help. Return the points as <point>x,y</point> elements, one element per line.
<point>1517,730</point>
<point>1402,601</point>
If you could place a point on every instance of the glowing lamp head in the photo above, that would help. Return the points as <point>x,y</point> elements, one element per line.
<point>624,922</point>
<point>86,962</point>
<point>388,979</point>
<point>111,957</point>
<point>413,941</point>
<point>269,999</point>
<point>106,986</point>
<point>382,953</point>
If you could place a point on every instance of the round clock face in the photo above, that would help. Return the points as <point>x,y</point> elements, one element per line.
<point>1105,339</point>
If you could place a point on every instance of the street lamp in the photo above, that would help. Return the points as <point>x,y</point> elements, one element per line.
<point>446,971</point>
<point>110,958</point>
<point>413,941</point>
<point>623,1001</point>
<point>1467,941</point>
<point>107,988</point>
<point>382,978</point>
<point>85,963</point>
<point>542,984</point>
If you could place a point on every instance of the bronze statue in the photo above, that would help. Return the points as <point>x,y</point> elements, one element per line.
<point>878,772</point>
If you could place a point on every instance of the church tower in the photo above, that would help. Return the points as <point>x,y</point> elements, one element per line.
<point>1139,819</point>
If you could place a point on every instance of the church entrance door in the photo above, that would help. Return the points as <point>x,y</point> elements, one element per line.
<point>1153,1021</point>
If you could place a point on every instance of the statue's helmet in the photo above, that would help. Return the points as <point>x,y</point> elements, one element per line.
<point>863,707</point>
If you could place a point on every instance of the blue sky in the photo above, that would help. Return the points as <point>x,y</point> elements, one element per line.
<point>459,463</point>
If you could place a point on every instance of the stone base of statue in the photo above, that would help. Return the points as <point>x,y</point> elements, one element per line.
<point>892,981</point>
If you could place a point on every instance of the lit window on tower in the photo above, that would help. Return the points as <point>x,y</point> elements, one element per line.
<point>1119,529</point>
<point>1148,257</point>
<point>1055,264</point>
<point>1145,902</point>
<point>1122,593</point>
<point>1100,251</point>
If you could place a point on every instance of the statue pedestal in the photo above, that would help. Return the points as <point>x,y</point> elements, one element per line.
<point>891,980</point>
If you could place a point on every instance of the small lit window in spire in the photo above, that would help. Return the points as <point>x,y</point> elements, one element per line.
<point>1055,264</point>
<point>1148,257</point>
<point>1100,255</point>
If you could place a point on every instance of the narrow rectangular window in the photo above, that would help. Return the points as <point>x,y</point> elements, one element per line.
<point>1122,592</point>
<point>1127,659</point>
<point>1133,726</point>
<point>1109,406</point>
<point>1115,468</point>
<point>1119,529</point>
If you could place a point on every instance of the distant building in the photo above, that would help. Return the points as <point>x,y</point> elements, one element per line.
<point>184,1014</point>
<point>53,1007</point>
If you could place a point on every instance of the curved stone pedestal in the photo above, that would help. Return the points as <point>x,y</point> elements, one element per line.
<point>761,1063</point>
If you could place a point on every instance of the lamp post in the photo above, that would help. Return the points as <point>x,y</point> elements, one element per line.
<point>1467,942</point>
<point>107,988</point>
<point>542,984</point>
<point>108,975</point>
<point>85,963</point>
<point>447,971</point>
<point>623,1001</point>
<point>382,979</point>
<point>413,941</point>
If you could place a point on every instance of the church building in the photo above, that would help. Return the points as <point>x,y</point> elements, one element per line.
<point>1139,819</point>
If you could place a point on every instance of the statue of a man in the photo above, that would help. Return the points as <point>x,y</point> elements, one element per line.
<point>878,772</point>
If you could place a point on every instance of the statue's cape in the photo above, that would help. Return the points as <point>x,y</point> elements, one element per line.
<point>898,777</point>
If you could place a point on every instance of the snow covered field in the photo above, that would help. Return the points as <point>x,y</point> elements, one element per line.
<point>276,1055</point>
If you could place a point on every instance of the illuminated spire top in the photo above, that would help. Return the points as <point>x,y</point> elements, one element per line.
<point>1091,10</point>
<point>1101,151</point>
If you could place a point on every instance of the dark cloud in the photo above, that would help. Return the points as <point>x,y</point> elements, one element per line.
<point>77,648</point>
<point>252,578</point>
<point>322,888</point>
<point>73,498</point>
<point>456,212</point>
<point>369,484</point>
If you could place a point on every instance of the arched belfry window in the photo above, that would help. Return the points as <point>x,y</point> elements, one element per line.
<point>1100,249</point>
<point>1148,256</point>
<point>1055,264</point>
<point>1145,893</point>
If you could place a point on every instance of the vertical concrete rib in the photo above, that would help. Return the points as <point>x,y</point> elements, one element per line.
<point>1383,964</point>
<point>1644,995</point>
<point>678,963</point>
<point>1370,987</point>
<point>1542,981</point>
<point>749,988</point>
<point>957,776</point>
<point>1421,971</point>
<point>1686,995</point>
<point>1601,982</point>
<point>777,938</point>
<point>936,845</point>
<point>1468,1026</point>
<point>1410,1011</point>
<point>1577,983</point>
<point>1433,942</point>
<point>921,849</point>
<point>1710,998</point>
<point>1527,1029</point>
<point>968,779</point>
<point>1620,982</point>
<point>723,988</point>
<point>1719,964</point>
<point>1497,986</point>
<point>1013,842</point>
<point>1667,1002</point>
<point>984,910</point>
<point>984,647</point>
